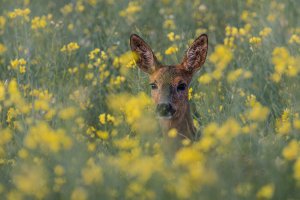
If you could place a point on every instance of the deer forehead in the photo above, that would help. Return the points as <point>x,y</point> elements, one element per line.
<point>170,75</point>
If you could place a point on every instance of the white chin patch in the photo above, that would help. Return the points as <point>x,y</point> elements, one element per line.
<point>167,117</point>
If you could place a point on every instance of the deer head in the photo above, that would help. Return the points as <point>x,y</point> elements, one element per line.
<point>170,83</point>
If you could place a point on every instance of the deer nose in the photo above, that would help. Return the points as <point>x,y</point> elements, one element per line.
<point>165,110</point>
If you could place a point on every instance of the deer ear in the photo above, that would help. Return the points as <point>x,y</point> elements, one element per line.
<point>196,54</point>
<point>146,58</point>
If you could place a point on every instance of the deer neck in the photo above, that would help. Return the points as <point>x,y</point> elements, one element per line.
<point>184,126</point>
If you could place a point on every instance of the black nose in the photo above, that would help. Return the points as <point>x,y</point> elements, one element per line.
<point>165,110</point>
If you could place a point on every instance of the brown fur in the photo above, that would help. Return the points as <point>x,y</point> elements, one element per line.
<point>167,79</point>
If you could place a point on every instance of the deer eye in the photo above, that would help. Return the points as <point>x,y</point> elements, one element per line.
<point>153,86</point>
<point>181,87</point>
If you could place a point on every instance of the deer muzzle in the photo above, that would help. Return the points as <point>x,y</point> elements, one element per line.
<point>165,110</point>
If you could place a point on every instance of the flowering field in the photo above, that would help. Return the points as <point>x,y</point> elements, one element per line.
<point>77,121</point>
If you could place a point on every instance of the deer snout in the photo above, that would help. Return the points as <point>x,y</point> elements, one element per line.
<point>165,110</point>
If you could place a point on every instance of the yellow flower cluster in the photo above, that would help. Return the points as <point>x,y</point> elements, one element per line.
<point>265,32</point>
<point>19,13</point>
<point>92,173</point>
<point>266,192</point>
<point>171,50</point>
<point>127,59</point>
<point>294,39</point>
<point>285,64</point>
<point>32,181</point>
<point>40,22</point>
<point>169,24</point>
<point>69,48</point>
<point>221,57</point>
<point>106,118</point>
<point>18,64</point>
<point>2,22</point>
<point>232,33</point>
<point>233,76</point>
<point>67,9</point>
<point>2,48</point>
<point>256,112</point>
<point>132,8</point>
<point>172,36</point>
<point>292,150</point>
<point>255,40</point>
<point>43,137</point>
<point>134,110</point>
<point>283,125</point>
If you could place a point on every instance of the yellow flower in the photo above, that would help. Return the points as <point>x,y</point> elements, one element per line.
<point>79,7</point>
<point>46,138</point>
<point>79,194</point>
<point>294,39</point>
<point>117,81</point>
<point>38,22</point>
<point>92,2</point>
<point>171,50</point>
<point>2,22</point>
<point>206,143</point>
<point>132,8</point>
<point>102,135</point>
<point>2,49</point>
<point>284,64</point>
<point>234,75</point>
<point>297,170</point>
<point>23,153</point>
<point>296,121</point>
<point>102,118</point>
<point>291,151</point>
<point>128,59</point>
<point>19,13</point>
<point>32,180</point>
<point>93,53</point>
<point>18,63</point>
<point>59,170</point>
<point>169,24</point>
<point>67,113</point>
<point>243,189</point>
<point>89,76</point>
<point>133,107</point>
<point>69,48</point>
<point>255,40</point>
<point>187,156</point>
<point>205,79</point>
<point>190,95</point>
<point>258,112</point>
<point>172,133</point>
<point>283,127</point>
<point>265,32</point>
<point>172,36</point>
<point>67,9</point>
<point>22,69</point>
<point>266,192</point>
<point>229,42</point>
<point>92,173</point>
<point>221,56</point>
<point>2,91</point>
<point>5,137</point>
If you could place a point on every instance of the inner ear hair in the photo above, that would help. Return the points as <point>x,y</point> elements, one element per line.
<point>196,54</point>
<point>147,60</point>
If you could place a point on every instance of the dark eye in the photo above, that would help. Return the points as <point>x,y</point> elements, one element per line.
<point>153,86</point>
<point>181,87</point>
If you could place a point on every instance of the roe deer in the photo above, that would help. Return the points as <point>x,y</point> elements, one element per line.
<point>169,83</point>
